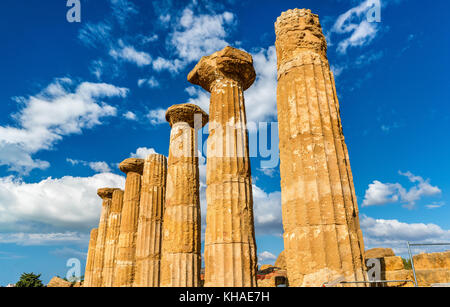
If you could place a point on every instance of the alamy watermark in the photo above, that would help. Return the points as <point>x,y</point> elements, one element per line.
<point>74,13</point>
<point>74,273</point>
<point>374,13</point>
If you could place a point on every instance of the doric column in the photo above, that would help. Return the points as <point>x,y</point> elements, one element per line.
<point>148,246</point>
<point>322,236</point>
<point>230,250</point>
<point>112,237</point>
<point>97,276</point>
<point>90,259</point>
<point>124,267</point>
<point>181,249</point>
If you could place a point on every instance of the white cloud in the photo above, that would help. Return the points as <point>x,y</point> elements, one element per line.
<point>143,153</point>
<point>380,193</point>
<point>199,35</point>
<point>355,23</point>
<point>130,115</point>
<point>267,207</point>
<point>129,54</point>
<point>266,257</point>
<point>99,167</point>
<point>67,252</point>
<point>394,234</point>
<point>194,36</point>
<point>49,116</point>
<point>270,172</point>
<point>173,66</point>
<point>150,82</point>
<point>57,205</point>
<point>157,117</point>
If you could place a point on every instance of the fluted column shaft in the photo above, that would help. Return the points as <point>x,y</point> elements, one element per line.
<point>181,253</point>
<point>148,247</point>
<point>230,249</point>
<point>125,263</point>
<point>90,259</point>
<point>112,237</point>
<point>97,276</point>
<point>322,237</point>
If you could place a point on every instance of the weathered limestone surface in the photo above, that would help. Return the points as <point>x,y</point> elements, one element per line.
<point>432,261</point>
<point>57,282</point>
<point>90,259</point>
<point>281,261</point>
<point>112,237</point>
<point>379,253</point>
<point>322,237</point>
<point>230,250</point>
<point>97,275</point>
<point>181,248</point>
<point>125,262</point>
<point>148,247</point>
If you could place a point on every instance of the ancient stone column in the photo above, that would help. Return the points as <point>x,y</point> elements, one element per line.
<point>181,249</point>
<point>112,238</point>
<point>148,246</point>
<point>125,262</point>
<point>230,250</point>
<point>90,259</point>
<point>97,275</point>
<point>322,236</point>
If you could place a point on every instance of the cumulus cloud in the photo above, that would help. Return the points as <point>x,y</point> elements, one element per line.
<point>193,36</point>
<point>143,153</point>
<point>380,193</point>
<point>149,82</point>
<point>157,117</point>
<point>56,205</point>
<point>267,207</point>
<point>266,257</point>
<point>355,23</point>
<point>394,234</point>
<point>130,54</point>
<point>47,117</point>
<point>130,115</point>
<point>99,167</point>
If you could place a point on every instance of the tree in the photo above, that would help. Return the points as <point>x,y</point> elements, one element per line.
<point>30,280</point>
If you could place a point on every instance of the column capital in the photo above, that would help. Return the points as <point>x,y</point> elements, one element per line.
<point>229,63</point>
<point>299,30</point>
<point>105,193</point>
<point>185,113</point>
<point>132,165</point>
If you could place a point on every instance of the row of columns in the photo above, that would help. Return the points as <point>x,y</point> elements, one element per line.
<point>150,234</point>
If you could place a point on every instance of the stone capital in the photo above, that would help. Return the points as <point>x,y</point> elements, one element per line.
<point>105,193</point>
<point>132,165</point>
<point>299,30</point>
<point>229,63</point>
<point>185,113</point>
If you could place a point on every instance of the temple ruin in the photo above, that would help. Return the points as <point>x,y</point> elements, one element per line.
<point>149,235</point>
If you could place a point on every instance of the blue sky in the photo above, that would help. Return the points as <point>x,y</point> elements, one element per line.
<point>78,98</point>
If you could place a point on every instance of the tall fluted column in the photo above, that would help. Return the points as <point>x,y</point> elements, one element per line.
<point>112,237</point>
<point>322,235</point>
<point>90,259</point>
<point>230,249</point>
<point>181,249</point>
<point>97,276</point>
<point>125,263</point>
<point>148,246</point>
